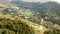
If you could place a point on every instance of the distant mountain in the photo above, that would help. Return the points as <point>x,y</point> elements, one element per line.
<point>20,12</point>
<point>36,11</point>
<point>50,10</point>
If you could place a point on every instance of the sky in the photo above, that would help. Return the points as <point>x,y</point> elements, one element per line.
<point>41,0</point>
<point>56,1</point>
<point>37,0</point>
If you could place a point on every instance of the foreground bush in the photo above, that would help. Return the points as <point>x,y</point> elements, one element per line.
<point>8,26</point>
<point>52,31</point>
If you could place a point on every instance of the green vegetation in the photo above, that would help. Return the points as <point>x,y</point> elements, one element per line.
<point>45,14</point>
<point>52,31</point>
<point>51,10</point>
<point>9,26</point>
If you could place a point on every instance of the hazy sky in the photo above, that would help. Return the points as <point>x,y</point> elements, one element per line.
<point>41,0</point>
<point>35,0</point>
<point>56,1</point>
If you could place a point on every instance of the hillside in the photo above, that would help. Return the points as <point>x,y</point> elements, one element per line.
<point>12,23</point>
<point>20,12</point>
<point>49,11</point>
<point>16,25</point>
<point>34,18</point>
<point>34,11</point>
